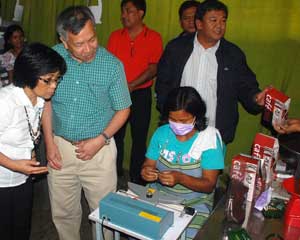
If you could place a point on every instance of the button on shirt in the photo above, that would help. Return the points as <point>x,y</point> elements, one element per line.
<point>200,72</point>
<point>88,95</point>
<point>15,139</point>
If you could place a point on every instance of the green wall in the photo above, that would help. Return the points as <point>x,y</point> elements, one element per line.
<point>267,31</point>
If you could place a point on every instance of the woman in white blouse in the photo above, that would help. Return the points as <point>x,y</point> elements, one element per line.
<point>38,69</point>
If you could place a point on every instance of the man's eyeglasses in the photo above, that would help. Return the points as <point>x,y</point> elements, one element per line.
<point>50,81</point>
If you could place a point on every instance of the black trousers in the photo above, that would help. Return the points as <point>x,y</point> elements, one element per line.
<point>139,120</point>
<point>16,208</point>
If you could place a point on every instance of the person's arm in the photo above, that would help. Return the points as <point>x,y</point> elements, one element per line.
<point>117,122</point>
<point>111,44</point>
<point>9,65</point>
<point>212,161</point>
<point>206,183</point>
<point>153,58</point>
<point>27,167</point>
<point>120,100</point>
<point>146,76</point>
<point>247,87</point>
<point>292,125</point>
<point>86,149</point>
<point>53,154</point>
<point>10,75</point>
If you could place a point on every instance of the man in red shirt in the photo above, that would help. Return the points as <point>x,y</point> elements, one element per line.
<point>139,48</point>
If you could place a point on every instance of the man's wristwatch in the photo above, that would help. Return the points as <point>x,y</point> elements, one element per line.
<point>106,138</point>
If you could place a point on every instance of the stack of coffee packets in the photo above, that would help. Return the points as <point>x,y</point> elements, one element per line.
<point>266,148</point>
<point>242,192</point>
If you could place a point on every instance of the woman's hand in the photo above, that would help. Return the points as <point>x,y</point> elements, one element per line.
<point>206,183</point>
<point>149,173</point>
<point>29,167</point>
<point>169,178</point>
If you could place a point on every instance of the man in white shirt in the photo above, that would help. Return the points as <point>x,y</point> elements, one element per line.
<point>216,68</point>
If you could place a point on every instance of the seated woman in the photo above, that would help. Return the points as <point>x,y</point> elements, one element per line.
<point>13,44</point>
<point>37,72</point>
<point>185,155</point>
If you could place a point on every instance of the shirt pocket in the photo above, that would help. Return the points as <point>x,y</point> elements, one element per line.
<point>98,90</point>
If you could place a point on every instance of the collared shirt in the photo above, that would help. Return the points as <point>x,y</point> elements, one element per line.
<point>15,139</point>
<point>200,72</point>
<point>136,54</point>
<point>88,95</point>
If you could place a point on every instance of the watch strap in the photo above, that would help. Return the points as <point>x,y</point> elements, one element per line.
<point>106,137</point>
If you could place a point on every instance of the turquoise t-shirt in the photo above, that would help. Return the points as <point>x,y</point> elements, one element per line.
<point>172,154</point>
<point>164,143</point>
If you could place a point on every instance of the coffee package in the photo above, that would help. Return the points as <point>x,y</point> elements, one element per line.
<point>266,148</point>
<point>276,108</point>
<point>242,192</point>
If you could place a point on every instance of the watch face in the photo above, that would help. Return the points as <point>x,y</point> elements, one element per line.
<point>107,139</point>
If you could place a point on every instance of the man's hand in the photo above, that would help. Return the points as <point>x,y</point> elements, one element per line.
<point>87,149</point>
<point>260,97</point>
<point>53,156</point>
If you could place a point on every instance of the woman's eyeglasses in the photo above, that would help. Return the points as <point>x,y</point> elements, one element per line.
<point>50,81</point>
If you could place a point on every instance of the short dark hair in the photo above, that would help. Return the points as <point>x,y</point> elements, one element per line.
<point>36,60</point>
<point>8,33</point>
<point>186,5</point>
<point>210,5</point>
<point>189,100</point>
<point>139,4</point>
<point>73,19</point>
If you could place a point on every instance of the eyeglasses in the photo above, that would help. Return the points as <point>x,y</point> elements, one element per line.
<point>50,81</point>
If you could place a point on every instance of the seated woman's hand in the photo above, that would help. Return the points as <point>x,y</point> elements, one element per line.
<point>149,173</point>
<point>169,178</point>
